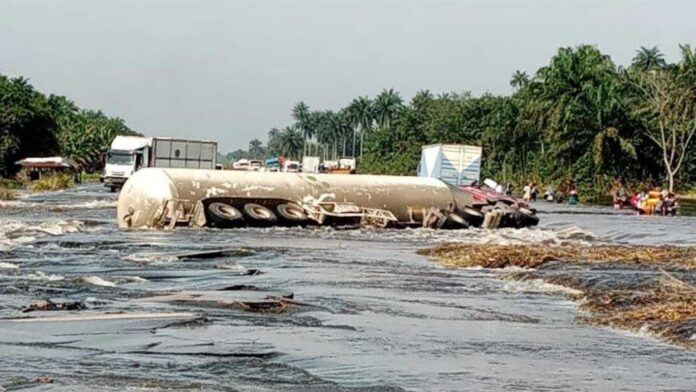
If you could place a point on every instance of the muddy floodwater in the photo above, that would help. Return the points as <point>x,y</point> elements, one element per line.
<point>310,309</point>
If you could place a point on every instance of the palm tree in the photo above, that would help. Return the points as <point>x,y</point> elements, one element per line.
<point>291,142</point>
<point>360,111</point>
<point>386,108</point>
<point>273,144</point>
<point>256,149</point>
<point>301,114</point>
<point>519,79</point>
<point>649,58</point>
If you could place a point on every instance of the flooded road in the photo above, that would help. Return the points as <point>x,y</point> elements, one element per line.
<point>366,313</point>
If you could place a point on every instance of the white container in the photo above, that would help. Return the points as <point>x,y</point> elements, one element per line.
<point>456,164</point>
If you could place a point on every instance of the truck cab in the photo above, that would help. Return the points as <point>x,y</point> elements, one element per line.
<point>126,155</point>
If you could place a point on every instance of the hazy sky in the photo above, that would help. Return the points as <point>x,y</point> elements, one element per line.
<point>230,70</point>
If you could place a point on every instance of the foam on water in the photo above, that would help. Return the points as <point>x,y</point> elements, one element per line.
<point>154,258</point>
<point>94,280</point>
<point>538,286</point>
<point>42,276</point>
<point>4,265</point>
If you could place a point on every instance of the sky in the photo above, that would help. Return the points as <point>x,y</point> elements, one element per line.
<point>230,70</point>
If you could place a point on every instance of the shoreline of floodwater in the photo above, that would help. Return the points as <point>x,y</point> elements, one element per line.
<point>662,305</point>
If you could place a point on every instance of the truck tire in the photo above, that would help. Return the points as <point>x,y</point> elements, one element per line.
<point>455,221</point>
<point>529,218</point>
<point>473,217</point>
<point>292,213</point>
<point>224,215</point>
<point>259,215</point>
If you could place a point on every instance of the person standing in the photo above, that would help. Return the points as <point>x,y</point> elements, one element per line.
<point>534,192</point>
<point>527,195</point>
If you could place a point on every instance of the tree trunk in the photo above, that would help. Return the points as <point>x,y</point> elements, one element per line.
<point>353,151</point>
<point>362,138</point>
<point>670,177</point>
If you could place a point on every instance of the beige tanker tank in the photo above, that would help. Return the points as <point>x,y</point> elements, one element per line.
<point>166,198</point>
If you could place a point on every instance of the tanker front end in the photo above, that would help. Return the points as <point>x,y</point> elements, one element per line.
<point>166,198</point>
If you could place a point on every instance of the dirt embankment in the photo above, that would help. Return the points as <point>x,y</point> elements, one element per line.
<point>660,303</point>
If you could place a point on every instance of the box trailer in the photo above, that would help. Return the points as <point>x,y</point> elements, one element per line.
<point>455,164</point>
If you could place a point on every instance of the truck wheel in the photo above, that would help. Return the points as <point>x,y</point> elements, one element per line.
<point>528,217</point>
<point>224,215</point>
<point>454,222</point>
<point>472,216</point>
<point>292,213</point>
<point>259,214</point>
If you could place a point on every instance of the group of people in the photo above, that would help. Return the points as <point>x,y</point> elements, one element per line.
<point>655,202</point>
<point>570,191</point>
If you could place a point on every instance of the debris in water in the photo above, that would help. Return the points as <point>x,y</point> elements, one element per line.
<point>49,305</point>
<point>250,301</point>
<point>211,254</point>
<point>532,256</point>
<point>251,272</point>
<point>44,380</point>
<point>105,316</point>
<point>237,287</point>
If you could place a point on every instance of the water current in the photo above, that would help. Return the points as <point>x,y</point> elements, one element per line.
<point>367,312</point>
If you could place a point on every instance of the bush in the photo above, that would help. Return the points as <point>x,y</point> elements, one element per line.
<point>8,183</point>
<point>53,182</point>
<point>91,177</point>
<point>7,194</point>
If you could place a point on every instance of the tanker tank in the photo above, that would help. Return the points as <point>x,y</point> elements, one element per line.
<point>167,198</point>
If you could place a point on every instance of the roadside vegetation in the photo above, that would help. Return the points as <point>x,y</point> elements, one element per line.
<point>53,182</point>
<point>33,124</point>
<point>579,118</point>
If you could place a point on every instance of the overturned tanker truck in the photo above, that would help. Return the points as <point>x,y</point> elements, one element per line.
<point>168,198</point>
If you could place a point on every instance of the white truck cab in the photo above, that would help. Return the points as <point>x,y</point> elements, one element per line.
<point>125,157</point>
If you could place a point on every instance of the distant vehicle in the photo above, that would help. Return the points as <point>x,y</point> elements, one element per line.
<point>291,166</point>
<point>242,164</point>
<point>255,164</point>
<point>129,154</point>
<point>455,164</point>
<point>310,164</point>
<point>343,165</point>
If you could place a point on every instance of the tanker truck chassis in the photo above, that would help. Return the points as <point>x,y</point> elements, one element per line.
<point>168,198</point>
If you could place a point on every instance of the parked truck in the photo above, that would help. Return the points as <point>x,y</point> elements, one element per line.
<point>455,164</point>
<point>129,154</point>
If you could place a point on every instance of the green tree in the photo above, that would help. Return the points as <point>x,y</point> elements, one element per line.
<point>648,58</point>
<point>301,114</point>
<point>291,142</point>
<point>386,108</point>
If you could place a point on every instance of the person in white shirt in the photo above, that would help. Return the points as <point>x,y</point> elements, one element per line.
<point>527,192</point>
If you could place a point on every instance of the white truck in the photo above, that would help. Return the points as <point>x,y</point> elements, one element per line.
<point>310,164</point>
<point>129,154</point>
<point>455,164</point>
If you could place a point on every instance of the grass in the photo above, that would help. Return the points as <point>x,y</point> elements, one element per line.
<point>532,256</point>
<point>53,182</point>
<point>7,194</point>
<point>91,177</point>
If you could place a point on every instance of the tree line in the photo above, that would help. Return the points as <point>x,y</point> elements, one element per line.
<point>33,124</point>
<point>581,118</point>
